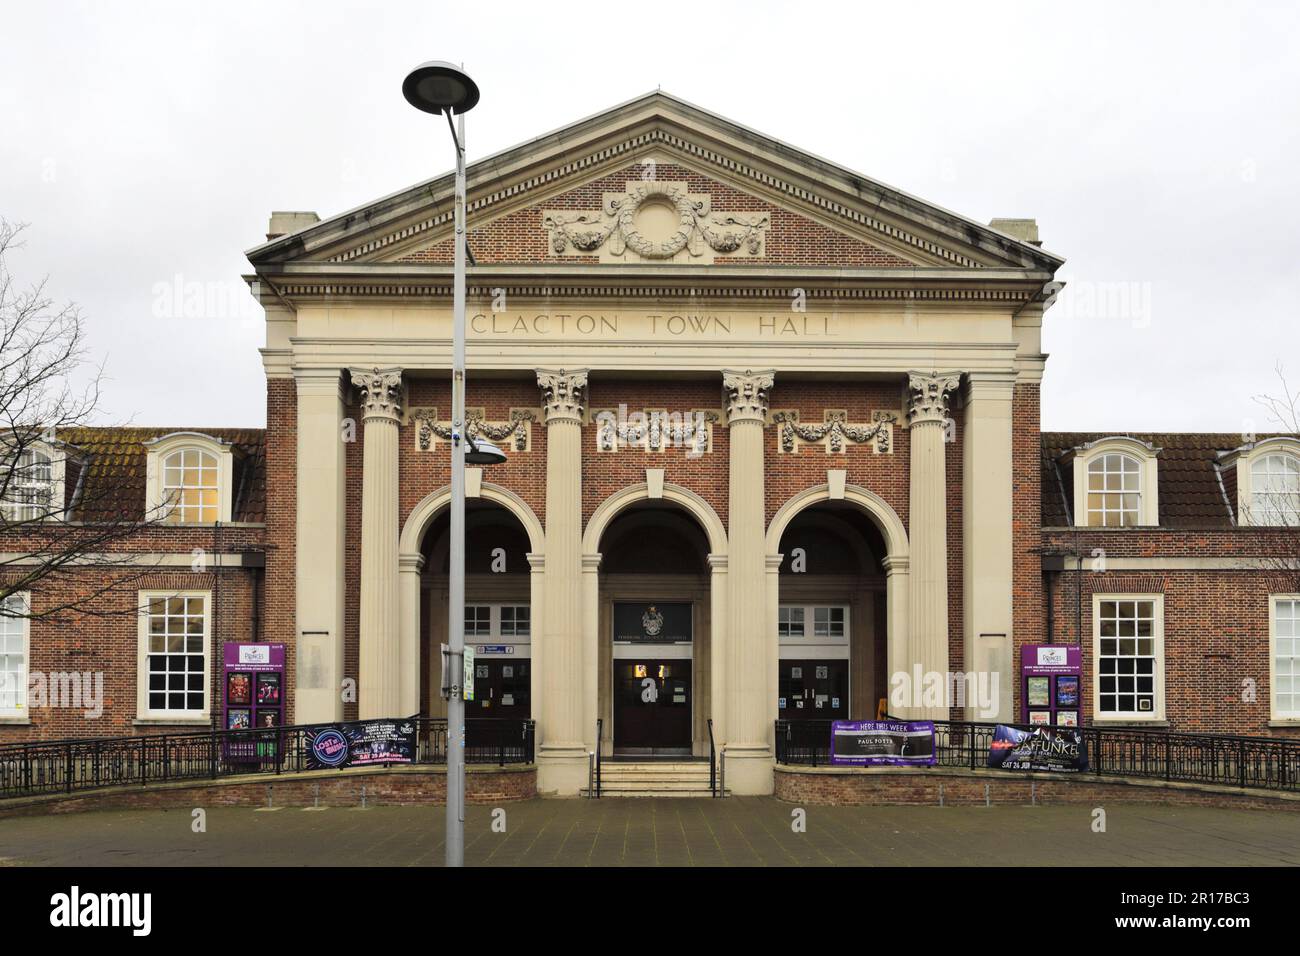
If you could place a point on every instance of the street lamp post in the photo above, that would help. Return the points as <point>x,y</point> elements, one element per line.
<point>439,87</point>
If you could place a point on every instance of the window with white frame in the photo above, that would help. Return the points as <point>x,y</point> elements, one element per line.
<point>189,479</point>
<point>1115,483</point>
<point>174,663</point>
<point>790,621</point>
<point>14,655</point>
<point>1114,491</point>
<point>828,622</point>
<point>29,486</point>
<point>515,620</point>
<point>1275,489</point>
<point>498,620</point>
<point>1128,647</point>
<point>1286,657</point>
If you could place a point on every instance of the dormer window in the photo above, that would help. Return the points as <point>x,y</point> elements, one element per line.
<point>1115,484</point>
<point>189,479</point>
<point>1268,482</point>
<point>31,483</point>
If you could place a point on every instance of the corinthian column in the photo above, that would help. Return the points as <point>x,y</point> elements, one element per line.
<point>562,756</point>
<point>380,651</point>
<point>746,683</point>
<point>927,413</point>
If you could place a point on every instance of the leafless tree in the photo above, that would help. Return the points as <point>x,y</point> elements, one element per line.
<point>46,535</point>
<point>1275,507</point>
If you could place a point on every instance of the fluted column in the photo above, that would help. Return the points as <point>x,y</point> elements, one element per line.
<point>928,529</point>
<point>749,755</point>
<point>380,646</point>
<point>562,757</point>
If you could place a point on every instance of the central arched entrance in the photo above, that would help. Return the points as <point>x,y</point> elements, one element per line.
<point>653,572</point>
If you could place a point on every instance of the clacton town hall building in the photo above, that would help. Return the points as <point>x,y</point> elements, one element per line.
<point>772,437</point>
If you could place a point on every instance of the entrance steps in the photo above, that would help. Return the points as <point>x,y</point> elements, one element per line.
<point>653,778</point>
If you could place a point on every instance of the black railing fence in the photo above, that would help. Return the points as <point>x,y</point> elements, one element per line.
<point>66,766</point>
<point>1269,763</point>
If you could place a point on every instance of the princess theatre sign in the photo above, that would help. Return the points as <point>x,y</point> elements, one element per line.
<point>864,369</point>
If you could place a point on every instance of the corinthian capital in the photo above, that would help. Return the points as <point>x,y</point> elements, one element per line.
<point>381,392</point>
<point>564,393</point>
<point>747,394</point>
<point>928,399</point>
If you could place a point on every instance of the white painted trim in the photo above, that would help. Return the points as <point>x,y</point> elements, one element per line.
<point>1158,634</point>
<point>22,712</point>
<point>1148,477</point>
<point>1274,716</point>
<point>1244,461</point>
<point>161,448</point>
<point>143,711</point>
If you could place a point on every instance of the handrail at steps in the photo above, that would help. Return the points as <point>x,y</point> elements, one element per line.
<point>600,736</point>
<point>713,761</point>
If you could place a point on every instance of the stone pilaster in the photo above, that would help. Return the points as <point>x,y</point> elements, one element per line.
<point>321,485</point>
<point>562,756</point>
<point>749,753</point>
<point>987,585</point>
<point>928,529</point>
<point>380,691</point>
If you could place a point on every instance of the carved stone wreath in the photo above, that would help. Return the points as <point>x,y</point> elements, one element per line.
<point>613,230</point>
<point>833,432</point>
<point>516,430</point>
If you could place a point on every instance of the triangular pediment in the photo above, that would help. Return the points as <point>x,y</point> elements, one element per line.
<point>659,181</point>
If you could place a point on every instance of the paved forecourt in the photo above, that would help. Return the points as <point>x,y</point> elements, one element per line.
<point>739,831</point>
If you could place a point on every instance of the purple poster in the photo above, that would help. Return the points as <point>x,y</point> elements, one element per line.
<point>866,743</point>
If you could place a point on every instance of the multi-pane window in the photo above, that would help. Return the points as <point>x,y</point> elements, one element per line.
<point>13,657</point>
<point>790,622</point>
<point>176,654</point>
<point>514,620</point>
<point>1127,657</point>
<point>1275,490</point>
<point>28,487</point>
<point>1286,658</point>
<point>478,620</point>
<point>191,491</point>
<point>1114,491</point>
<point>828,622</point>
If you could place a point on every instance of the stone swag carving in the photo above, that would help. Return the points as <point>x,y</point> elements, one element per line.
<point>835,430</point>
<point>516,430</point>
<point>616,224</point>
<point>653,429</point>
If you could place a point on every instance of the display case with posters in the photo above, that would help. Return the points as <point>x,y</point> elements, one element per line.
<point>1050,682</point>
<point>253,685</point>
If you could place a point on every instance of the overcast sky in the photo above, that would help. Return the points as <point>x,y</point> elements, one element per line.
<point>1156,144</point>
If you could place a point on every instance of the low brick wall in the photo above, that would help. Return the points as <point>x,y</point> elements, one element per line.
<point>394,786</point>
<point>892,786</point>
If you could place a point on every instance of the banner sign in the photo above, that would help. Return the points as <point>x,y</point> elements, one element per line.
<point>1060,751</point>
<point>653,622</point>
<point>359,743</point>
<point>866,743</point>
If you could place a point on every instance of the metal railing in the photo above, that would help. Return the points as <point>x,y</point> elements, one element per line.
<point>68,766</point>
<point>1267,763</point>
<point>600,738</point>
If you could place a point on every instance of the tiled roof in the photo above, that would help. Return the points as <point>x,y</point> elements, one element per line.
<point>1190,495</point>
<point>115,459</point>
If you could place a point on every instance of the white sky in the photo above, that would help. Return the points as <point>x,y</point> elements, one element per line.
<point>1157,144</point>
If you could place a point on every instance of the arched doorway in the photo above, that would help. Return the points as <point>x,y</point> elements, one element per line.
<point>654,572</point>
<point>839,620</point>
<point>504,561</point>
<point>832,616</point>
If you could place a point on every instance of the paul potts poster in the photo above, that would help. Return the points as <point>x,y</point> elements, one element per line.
<point>867,743</point>
<point>1038,749</point>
